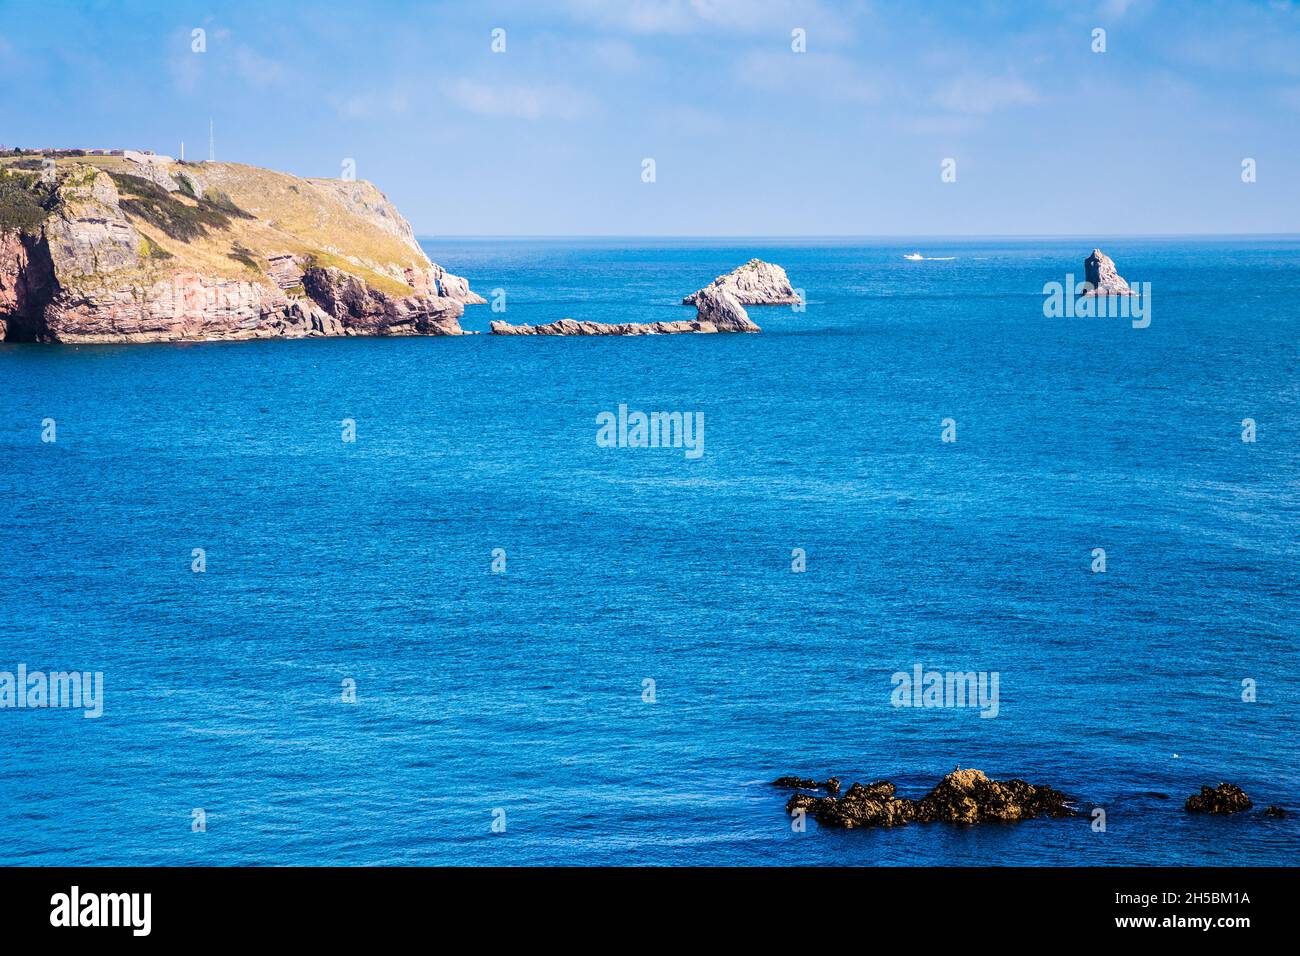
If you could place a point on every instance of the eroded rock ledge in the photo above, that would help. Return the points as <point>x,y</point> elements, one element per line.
<point>963,796</point>
<point>718,308</point>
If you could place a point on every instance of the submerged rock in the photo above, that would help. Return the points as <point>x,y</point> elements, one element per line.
<point>1225,798</point>
<point>1101,276</point>
<point>755,283</point>
<point>963,796</point>
<point>831,785</point>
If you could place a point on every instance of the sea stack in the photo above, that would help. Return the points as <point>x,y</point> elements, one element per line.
<point>1101,276</point>
<point>115,249</point>
<point>755,283</point>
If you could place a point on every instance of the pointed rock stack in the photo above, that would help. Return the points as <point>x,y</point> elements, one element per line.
<point>1101,276</point>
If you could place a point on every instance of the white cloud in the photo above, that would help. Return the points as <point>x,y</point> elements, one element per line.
<point>617,56</point>
<point>187,67</point>
<point>690,121</point>
<point>821,75</point>
<point>985,94</point>
<point>521,102</point>
<point>257,70</point>
<point>638,16</point>
<point>943,125</point>
<point>685,16</point>
<point>393,102</point>
<point>8,55</point>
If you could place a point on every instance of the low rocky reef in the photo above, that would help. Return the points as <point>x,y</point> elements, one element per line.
<point>1101,276</point>
<point>831,785</point>
<point>719,307</point>
<point>966,796</point>
<point>963,796</point>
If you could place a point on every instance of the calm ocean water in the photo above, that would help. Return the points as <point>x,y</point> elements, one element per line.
<point>523,691</point>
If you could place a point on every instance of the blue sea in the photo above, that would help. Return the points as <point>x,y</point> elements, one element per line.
<point>521,699</point>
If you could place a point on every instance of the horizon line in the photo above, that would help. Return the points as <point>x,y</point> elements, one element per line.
<point>910,237</point>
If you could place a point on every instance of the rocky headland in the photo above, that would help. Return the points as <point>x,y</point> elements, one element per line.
<point>719,307</point>
<point>1101,276</point>
<point>109,249</point>
<point>963,796</point>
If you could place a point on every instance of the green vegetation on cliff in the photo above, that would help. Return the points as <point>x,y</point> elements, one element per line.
<point>182,219</point>
<point>217,220</point>
<point>24,202</point>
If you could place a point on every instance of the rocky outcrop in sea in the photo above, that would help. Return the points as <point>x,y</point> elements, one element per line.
<point>755,283</point>
<point>1101,276</point>
<point>963,796</point>
<point>181,252</point>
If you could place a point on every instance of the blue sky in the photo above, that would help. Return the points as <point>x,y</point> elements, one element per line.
<point>748,137</point>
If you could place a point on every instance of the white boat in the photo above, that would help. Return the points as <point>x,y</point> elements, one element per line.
<point>914,257</point>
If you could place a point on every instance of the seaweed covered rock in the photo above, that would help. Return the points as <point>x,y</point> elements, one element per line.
<point>963,796</point>
<point>1225,798</point>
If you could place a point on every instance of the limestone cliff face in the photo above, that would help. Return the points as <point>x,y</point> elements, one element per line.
<point>367,311</point>
<point>115,251</point>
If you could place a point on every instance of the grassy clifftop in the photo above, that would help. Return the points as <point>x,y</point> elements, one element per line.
<point>228,220</point>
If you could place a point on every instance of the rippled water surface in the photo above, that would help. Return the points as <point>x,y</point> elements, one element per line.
<point>523,691</point>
